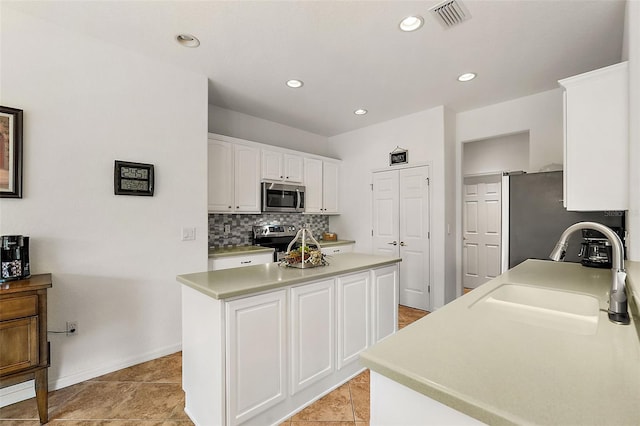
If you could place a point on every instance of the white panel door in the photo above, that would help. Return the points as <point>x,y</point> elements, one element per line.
<point>401,228</point>
<point>354,319</point>
<point>313,185</point>
<point>330,190</point>
<point>293,167</point>
<point>271,165</point>
<point>414,238</point>
<point>247,179</point>
<point>385,302</point>
<point>482,230</point>
<point>386,213</point>
<point>312,333</point>
<point>220,181</point>
<point>256,354</point>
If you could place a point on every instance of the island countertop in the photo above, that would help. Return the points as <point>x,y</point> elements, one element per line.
<point>234,282</point>
<point>500,370</point>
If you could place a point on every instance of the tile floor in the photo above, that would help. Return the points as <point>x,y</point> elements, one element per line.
<point>150,394</point>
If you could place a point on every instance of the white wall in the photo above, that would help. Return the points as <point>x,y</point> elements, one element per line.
<point>231,123</point>
<point>367,149</point>
<point>539,114</point>
<point>496,155</point>
<point>113,258</point>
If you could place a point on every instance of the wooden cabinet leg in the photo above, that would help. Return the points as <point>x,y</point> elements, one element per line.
<point>42,394</point>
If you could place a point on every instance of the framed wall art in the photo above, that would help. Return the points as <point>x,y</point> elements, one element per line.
<point>133,178</point>
<point>10,152</point>
<point>398,156</point>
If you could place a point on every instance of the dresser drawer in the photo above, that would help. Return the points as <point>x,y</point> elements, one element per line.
<point>18,307</point>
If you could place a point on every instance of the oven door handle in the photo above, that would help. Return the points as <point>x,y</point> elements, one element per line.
<point>297,200</point>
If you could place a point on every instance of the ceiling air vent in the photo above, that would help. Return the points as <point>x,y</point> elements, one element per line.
<point>450,13</point>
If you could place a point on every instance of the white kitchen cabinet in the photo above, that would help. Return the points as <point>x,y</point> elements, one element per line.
<point>256,352</point>
<point>354,316</point>
<point>596,125</point>
<point>239,261</point>
<point>321,180</point>
<point>220,170</point>
<point>384,298</point>
<point>312,333</point>
<point>234,177</point>
<point>278,166</point>
<point>331,250</point>
<point>234,348</point>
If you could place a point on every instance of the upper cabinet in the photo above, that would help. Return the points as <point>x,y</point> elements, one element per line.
<point>596,131</point>
<point>278,166</point>
<point>237,166</point>
<point>321,186</point>
<point>234,177</point>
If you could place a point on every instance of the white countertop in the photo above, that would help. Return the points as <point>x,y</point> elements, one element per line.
<point>234,282</point>
<point>504,371</point>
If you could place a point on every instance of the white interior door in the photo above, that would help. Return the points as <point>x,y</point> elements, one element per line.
<point>401,228</point>
<point>482,217</point>
<point>386,213</point>
<point>414,237</point>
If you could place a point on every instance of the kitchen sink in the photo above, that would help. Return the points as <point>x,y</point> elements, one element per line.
<point>544,307</point>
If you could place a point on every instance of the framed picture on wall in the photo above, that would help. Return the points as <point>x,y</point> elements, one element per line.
<point>398,156</point>
<point>133,178</point>
<point>10,152</point>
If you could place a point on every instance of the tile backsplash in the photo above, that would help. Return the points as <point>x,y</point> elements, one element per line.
<point>241,226</point>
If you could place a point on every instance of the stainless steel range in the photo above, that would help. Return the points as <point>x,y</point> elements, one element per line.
<point>275,236</point>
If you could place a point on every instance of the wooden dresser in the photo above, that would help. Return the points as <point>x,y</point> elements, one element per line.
<point>24,350</point>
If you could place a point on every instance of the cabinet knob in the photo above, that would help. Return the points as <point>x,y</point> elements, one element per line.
<point>395,243</point>
<point>229,206</point>
<point>402,243</point>
<point>245,262</point>
<point>280,177</point>
<point>237,207</point>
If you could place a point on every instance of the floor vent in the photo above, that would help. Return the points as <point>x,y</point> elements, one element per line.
<point>450,13</point>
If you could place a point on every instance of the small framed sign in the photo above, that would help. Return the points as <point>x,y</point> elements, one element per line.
<point>133,178</point>
<point>398,156</point>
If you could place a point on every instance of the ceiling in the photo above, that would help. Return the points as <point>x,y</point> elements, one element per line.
<point>351,54</point>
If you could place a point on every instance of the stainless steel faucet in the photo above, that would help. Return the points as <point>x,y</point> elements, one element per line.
<point>617,295</point>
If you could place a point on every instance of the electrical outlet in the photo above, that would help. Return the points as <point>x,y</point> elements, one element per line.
<point>72,328</point>
<point>227,229</point>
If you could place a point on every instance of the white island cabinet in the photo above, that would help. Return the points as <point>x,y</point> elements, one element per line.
<point>262,342</point>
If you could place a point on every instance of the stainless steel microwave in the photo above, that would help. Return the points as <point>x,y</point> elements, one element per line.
<point>282,198</point>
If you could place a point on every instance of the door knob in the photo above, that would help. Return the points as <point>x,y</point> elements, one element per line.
<point>395,243</point>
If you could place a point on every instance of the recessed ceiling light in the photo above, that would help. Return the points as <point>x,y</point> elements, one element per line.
<point>468,76</point>
<point>360,111</point>
<point>187,40</point>
<point>411,23</point>
<point>295,84</point>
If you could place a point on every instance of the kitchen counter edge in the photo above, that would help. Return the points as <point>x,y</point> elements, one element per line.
<point>413,377</point>
<point>235,282</point>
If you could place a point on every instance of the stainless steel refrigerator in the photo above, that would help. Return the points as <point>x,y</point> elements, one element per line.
<point>536,217</point>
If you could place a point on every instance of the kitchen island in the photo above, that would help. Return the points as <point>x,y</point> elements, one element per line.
<point>262,342</point>
<point>532,346</point>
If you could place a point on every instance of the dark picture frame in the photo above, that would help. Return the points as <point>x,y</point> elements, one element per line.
<point>10,152</point>
<point>133,178</point>
<point>398,156</point>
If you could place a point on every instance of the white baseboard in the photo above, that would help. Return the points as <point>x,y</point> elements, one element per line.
<point>23,391</point>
